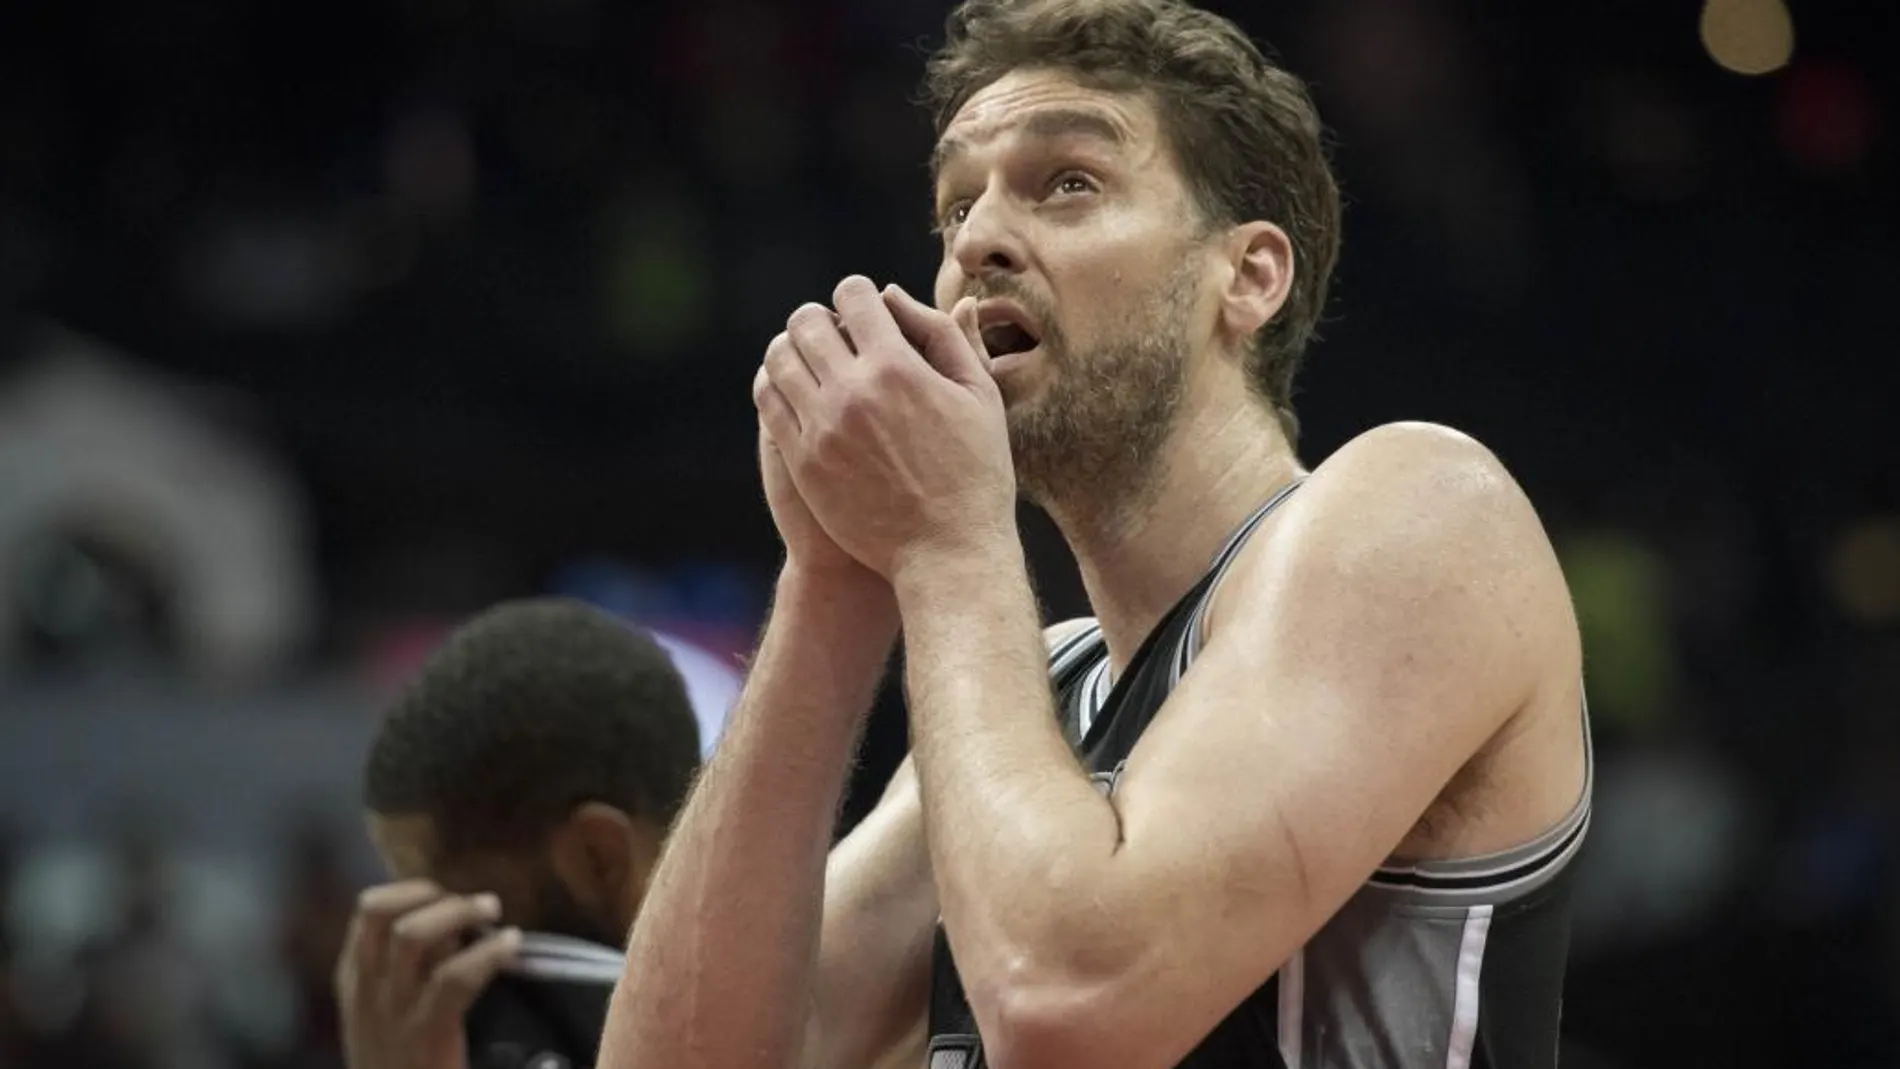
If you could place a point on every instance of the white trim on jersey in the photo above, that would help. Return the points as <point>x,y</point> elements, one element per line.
<point>1095,688</point>
<point>1464,1012</point>
<point>1292,1002</point>
<point>559,957</point>
<point>570,970</point>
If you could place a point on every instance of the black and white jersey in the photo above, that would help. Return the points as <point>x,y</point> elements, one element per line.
<point>547,1009</point>
<point>1444,964</point>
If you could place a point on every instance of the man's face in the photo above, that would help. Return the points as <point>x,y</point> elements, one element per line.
<point>533,895</point>
<point>1062,208</point>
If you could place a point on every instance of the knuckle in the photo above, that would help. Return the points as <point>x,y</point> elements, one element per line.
<point>408,931</point>
<point>828,442</point>
<point>857,400</point>
<point>886,376</point>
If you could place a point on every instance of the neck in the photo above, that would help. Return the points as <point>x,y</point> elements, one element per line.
<point>1139,556</point>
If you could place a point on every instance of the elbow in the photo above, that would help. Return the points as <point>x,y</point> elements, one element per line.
<point>1035,1027</point>
<point>1034,1020</point>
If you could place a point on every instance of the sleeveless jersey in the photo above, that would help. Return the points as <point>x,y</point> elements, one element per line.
<point>1456,964</point>
<point>547,1008</point>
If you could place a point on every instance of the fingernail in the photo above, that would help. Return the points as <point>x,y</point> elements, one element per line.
<point>511,937</point>
<point>489,904</point>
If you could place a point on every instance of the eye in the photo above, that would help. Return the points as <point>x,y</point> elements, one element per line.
<point>952,216</point>
<point>1072,183</point>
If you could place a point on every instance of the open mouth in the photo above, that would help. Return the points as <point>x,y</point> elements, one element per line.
<point>1005,328</point>
<point>1005,339</point>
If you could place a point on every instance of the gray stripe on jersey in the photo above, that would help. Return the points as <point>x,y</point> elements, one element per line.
<point>1074,649</point>
<point>1380,986</point>
<point>1502,876</point>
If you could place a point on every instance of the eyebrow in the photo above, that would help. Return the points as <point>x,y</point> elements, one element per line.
<point>1043,126</point>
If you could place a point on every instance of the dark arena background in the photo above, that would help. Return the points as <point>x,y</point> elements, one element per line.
<point>323,325</point>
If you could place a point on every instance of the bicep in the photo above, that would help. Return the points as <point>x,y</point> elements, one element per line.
<point>1358,668</point>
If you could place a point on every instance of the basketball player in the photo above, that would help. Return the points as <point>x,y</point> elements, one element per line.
<point>1313,773</point>
<point>525,779</point>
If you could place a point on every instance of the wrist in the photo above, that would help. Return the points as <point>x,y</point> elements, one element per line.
<point>851,597</point>
<point>929,572</point>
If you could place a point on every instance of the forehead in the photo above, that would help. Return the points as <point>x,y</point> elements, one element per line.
<point>1044,103</point>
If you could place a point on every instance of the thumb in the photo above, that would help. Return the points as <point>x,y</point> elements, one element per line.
<point>949,343</point>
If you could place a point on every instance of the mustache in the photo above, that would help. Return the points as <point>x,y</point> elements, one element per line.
<point>984,289</point>
<point>1009,288</point>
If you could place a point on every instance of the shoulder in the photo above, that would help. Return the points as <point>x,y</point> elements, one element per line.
<point>1416,462</point>
<point>1411,529</point>
<point>1412,490</point>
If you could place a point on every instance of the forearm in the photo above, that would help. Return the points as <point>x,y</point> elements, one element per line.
<point>1012,820</point>
<point>719,964</point>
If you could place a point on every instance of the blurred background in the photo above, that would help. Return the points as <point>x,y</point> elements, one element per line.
<point>323,325</point>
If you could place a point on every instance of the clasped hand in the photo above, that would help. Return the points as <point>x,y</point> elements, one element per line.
<point>890,426</point>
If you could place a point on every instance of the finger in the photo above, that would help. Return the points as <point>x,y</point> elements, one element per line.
<point>937,336</point>
<point>964,315</point>
<point>366,943</point>
<point>814,331</point>
<point>420,939</point>
<point>867,322</point>
<point>458,981</point>
<point>776,414</point>
<point>788,370</point>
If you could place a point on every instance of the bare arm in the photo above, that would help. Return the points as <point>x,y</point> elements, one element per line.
<point>720,964</point>
<point>880,914</point>
<point>873,981</point>
<point>1406,614</point>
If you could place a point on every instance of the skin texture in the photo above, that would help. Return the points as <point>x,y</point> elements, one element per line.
<point>727,966</point>
<point>408,972</point>
<point>404,980</point>
<point>1391,666</point>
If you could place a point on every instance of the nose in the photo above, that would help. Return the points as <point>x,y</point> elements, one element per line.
<point>988,242</point>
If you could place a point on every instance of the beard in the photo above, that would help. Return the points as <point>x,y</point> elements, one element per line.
<point>1091,438</point>
<point>558,912</point>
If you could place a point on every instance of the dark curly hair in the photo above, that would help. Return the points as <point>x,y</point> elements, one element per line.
<point>1244,131</point>
<point>528,710</point>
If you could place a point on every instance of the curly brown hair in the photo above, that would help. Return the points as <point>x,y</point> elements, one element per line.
<point>1243,130</point>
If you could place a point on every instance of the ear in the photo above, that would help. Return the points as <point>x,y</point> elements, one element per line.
<point>605,856</point>
<point>1258,278</point>
<point>406,843</point>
